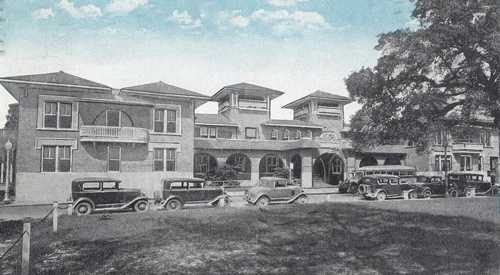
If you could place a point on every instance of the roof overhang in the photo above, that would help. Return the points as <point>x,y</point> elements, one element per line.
<point>215,124</point>
<point>247,91</point>
<point>307,98</point>
<point>292,125</point>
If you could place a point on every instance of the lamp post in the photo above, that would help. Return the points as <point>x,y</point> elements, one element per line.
<point>445,144</point>
<point>8,147</point>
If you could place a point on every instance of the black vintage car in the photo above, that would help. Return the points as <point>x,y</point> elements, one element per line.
<point>178,192</point>
<point>104,194</point>
<point>381,187</point>
<point>427,186</point>
<point>464,180</point>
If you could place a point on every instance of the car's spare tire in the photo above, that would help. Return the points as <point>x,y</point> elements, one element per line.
<point>362,189</point>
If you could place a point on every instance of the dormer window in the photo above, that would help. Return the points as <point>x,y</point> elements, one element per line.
<point>286,134</point>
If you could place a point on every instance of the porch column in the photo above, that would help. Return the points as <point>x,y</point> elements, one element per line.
<point>307,165</point>
<point>254,174</point>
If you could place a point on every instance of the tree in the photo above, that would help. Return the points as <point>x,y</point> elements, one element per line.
<point>12,117</point>
<point>444,73</point>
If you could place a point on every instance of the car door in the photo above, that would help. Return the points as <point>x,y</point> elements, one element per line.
<point>395,189</point>
<point>111,195</point>
<point>178,189</point>
<point>196,192</point>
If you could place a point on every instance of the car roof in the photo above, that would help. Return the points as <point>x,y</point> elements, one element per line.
<point>380,176</point>
<point>90,179</point>
<point>385,167</point>
<point>183,179</point>
<point>272,178</point>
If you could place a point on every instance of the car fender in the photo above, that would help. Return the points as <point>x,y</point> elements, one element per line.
<point>130,203</point>
<point>297,196</point>
<point>171,197</point>
<point>258,197</point>
<point>380,190</point>
<point>83,199</point>
<point>223,196</point>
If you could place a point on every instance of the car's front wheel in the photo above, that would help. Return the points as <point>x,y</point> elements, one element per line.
<point>263,201</point>
<point>381,196</point>
<point>174,204</point>
<point>427,194</point>
<point>83,208</point>
<point>413,195</point>
<point>141,206</point>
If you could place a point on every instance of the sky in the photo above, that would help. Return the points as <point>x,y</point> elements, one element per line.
<point>296,46</point>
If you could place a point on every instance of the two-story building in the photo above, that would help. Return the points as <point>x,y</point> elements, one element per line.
<point>72,127</point>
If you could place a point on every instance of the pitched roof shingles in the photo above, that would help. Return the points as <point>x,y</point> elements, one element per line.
<point>57,78</point>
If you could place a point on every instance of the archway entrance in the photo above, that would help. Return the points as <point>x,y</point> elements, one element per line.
<point>269,164</point>
<point>368,161</point>
<point>241,164</point>
<point>329,169</point>
<point>392,160</point>
<point>297,166</point>
<point>205,165</point>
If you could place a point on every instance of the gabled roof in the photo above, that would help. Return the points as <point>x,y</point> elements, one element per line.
<point>291,123</point>
<point>246,89</point>
<point>213,119</point>
<point>161,88</point>
<point>323,96</point>
<point>56,78</point>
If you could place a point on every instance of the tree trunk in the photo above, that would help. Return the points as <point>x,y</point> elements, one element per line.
<point>497,168</point>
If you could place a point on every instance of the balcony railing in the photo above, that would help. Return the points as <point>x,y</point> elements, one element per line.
<point>253,104</point>
<point>467,146</point>
<point>113,134</point>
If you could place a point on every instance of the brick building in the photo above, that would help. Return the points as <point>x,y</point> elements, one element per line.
<point>71,127</point>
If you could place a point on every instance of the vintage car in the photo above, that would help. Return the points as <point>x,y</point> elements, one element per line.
<point>178,192</point>
<point>463,180</point>
<point>275,190</point>
<point>427,186</point>
<point>381,187</point>
<point>104,194</point>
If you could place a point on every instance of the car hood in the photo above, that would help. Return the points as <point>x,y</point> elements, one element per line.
<point>256,190</point>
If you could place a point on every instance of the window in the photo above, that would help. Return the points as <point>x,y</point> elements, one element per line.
<point>158,160</point>
<point>286,134</point>
<point>178,185</point>
<point>274,134</point>
<point>109,185</point>
<point>493,163</point>
<point>57,115</point>
<point>94,185</point>
<point>208,132</point>
<point>309,134</point>
<point>442,164</point>
<point>486,138</point>
<point>159,121</point>
<point>114,158</point>
<point>113,118</point>
<point>250,132</point>
<point>224,132</point>
<point>195,185</point>
<point>480,163</point>
<point>165,121</point>
<point>56,158</point>
<point>298,134</point>
<point>164,159</point>
<point>465,163</point>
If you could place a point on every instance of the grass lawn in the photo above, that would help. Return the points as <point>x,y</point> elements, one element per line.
<point>435,236</point>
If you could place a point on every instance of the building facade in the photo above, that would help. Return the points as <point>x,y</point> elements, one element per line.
<point>70,127</point>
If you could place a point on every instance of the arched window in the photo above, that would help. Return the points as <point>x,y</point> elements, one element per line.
<point>268,164</point>
<point>113,118</point>
<point>241,164</point>
<point>204,164</point>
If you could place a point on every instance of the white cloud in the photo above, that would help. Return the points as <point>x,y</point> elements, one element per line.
<point>122,7</point>
<point>285,3</point>
<point>41,14</point>
<point>81,11</point>
<point>184,19</point>
<point>233,18</point>
<point>282,21</point>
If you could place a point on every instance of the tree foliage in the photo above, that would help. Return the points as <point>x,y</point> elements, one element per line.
<point>445,72</point>
<point>12,117</point>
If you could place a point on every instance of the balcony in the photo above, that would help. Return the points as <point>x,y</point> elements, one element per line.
<point>301,112</point>
<point>467,147</point>
<point>93,133</point>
